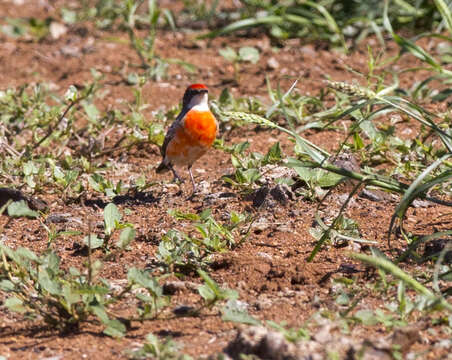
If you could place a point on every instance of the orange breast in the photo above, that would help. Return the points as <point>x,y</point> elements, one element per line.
<point>201,127</point>
<point>193,138</point>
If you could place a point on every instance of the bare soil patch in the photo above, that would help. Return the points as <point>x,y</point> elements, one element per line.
<point>269,269</point>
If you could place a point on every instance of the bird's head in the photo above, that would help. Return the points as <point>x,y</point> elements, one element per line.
<point>196,95</point>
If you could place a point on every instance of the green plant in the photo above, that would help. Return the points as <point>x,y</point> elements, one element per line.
<point>180,250</point>
<point>156,349</point>
<point>112,222</point>
<point>67,298</point>
<point>291,334</point>
<point>249,168</point>
<point>335,21</point>
<point>428,299</point>
<point>104,186</point>
<point>20,208</point>
<point>33,28</point>
<point>244,54</point>
<point>212,293</point>
<point>318,158</point>
<point>200,10</point>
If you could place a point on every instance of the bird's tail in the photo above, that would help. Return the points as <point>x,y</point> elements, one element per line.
<point>162,168</point>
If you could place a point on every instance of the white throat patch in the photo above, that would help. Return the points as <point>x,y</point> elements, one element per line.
<point>199,102</point>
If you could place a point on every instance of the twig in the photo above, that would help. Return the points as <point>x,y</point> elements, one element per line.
<point>50,130</point>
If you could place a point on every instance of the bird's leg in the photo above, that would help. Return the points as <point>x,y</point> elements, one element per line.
<point>192,180</point>
<point>176,175</point>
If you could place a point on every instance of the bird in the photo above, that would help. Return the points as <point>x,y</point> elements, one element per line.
<point>191,135</point>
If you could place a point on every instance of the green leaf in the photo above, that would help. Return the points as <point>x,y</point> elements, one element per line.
<point>52,261</point>
<point>343,299</point>
<point>142,278</point>
<point>95,181</point>
<point>69,16</point>
<point>246,23</point>
<point>357,141</point>
<point>235,313</point>
<point>185,65</point>
<point>366,317</point>
<point>20,208</point>
<point>27,254</point>
<point>126,237</point>
<point>15,304</point>
<point>206,293</point>
<point>115,328</point>
<point>93,241</point>
<point>71,94</point>
<point>228,53</point>
<point>6,285</point>
<point>249,53</point>
<point>417,187</point>
<point>211,287</point>
<point>74,271</point>
<point>100,312</point>
<point>180,215</point>
<point>249,176</point>
<point>58,173</point>
<point>69,295</point>
<point>133,78</point>
<point>47,283</point>
<point>112,217</point>
<point>445,12</point>
<point>442,95</point>
<point>273,155</point>
<point>91,111</point>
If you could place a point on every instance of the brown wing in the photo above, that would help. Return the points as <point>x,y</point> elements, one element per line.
<point>172,131</point>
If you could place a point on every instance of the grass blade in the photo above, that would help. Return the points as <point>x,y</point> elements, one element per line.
<point>244,24</point>
<point>416,188</point>
<point>390,267</point>
<point>445,13</point>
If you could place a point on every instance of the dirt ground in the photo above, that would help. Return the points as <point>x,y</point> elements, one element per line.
<point>270,269</point>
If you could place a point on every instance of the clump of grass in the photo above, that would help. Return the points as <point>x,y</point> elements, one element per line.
<point>132,16</point>
<point>155,348</point>
<point>40,287</point>
<point>336,21</point>
<point>178,250</point>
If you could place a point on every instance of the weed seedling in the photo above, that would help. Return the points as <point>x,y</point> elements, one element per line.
<point>245,54</point>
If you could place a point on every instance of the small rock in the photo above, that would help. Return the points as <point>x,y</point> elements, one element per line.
<point>70,51</point>
<point>346,161</point>
<point>220,196</point>
<point>285,228</point>
<point>58,218</point>
<point>272,64</point>
<point>370,195</point>
<point>265,256</point>
<point>272,172</point>
<point>263,343</point>
<point>57,30</point>
<point>203,188</point>
<point>421,203</point>
<point>324,335</point>
<point>261,224</point>
<point>405,337</point>
<point>171,287</point>
<point>308,50</point>
<point>263,303</point>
